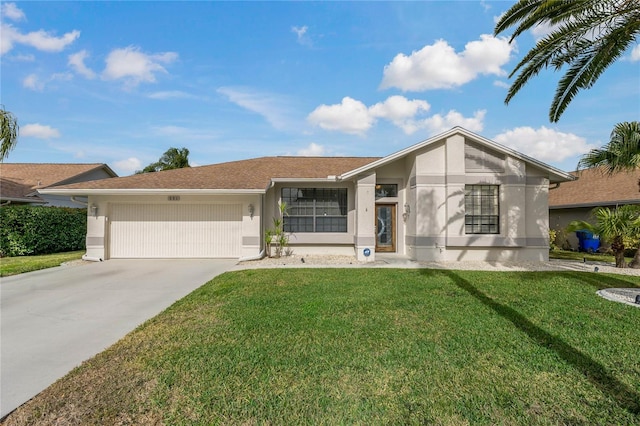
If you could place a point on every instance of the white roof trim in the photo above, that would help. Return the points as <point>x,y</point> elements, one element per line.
<point>304,180</point>
<point>564,176</point>
<point>144,191</point>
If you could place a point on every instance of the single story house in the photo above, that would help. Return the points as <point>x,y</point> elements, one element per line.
<point>593,188</point>
<point>455,196</point>
<point>12,192</point>
<point>20,182</point>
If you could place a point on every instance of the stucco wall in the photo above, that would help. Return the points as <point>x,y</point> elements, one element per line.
<point>437,190</point>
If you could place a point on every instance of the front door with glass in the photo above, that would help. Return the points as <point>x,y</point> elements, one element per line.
<point>385,227</point>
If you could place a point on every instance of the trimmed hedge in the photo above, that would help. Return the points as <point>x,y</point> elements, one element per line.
<point>28,230</point>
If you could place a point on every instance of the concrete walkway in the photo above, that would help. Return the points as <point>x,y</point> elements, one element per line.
<point>52,320</point>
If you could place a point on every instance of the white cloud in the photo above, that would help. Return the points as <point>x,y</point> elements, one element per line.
<point>400,111</point>
<point>438,123</point>
<point>542,30</point>
<point>39,131</point>
<point>134,66</point>
<point>352,116</point>
<point>500,83</point>
<point>23,58</point>
<point>438,66</point>
<point>11,11</point>
<point>41,39</point>
<point>76,61</point>
<point>61,76</point>
<point>33,82</point>
<point>268,105</point>
<point>126,166</point>
<point>349,116</point>
<point>171,94</point>
<point>301,33</point>
<point>313,150</point>
<point>6,41</point>
<point>544,144</point>
<point>635,53</point>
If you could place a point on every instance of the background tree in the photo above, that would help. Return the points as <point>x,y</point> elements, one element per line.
<point>173,158</point>
<point>8,132</point>
<point>587,36</point>
<point>622,153</point>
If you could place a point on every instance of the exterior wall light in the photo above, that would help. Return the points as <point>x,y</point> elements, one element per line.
<point>407,210</point>
<point>251,210</point>
<point>94,210</point>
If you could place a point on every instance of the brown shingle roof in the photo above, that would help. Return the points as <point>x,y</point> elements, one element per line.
<point>42,175</point>
<point>596,188</point>
<point>15,191</point>
<point>243,175</point>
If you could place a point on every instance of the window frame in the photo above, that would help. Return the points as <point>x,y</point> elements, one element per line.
<point>484,202</point>
<point>321,216</point>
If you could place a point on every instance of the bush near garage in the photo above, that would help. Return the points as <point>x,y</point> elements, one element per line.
<point>29,230</point>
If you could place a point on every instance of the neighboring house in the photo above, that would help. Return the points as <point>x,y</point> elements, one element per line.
<point>456,196</point>
<point>593,188</point>
<point>21,182</point>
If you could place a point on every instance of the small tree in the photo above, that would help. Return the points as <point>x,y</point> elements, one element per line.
<point>277,235</point>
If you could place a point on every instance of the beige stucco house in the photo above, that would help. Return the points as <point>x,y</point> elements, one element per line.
<point>453,197</point>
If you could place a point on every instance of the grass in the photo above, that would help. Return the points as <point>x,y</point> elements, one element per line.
<point>580,256</point>
<point>367,346</point>
<point>21,264</point>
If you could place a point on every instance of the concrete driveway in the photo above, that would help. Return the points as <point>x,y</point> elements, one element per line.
<point>52,320</point>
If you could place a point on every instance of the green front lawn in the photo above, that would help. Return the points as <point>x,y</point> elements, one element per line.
<point>368,346</point>
<point>21,264</point>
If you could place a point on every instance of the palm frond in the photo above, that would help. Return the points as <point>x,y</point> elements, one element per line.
<point>8,132</point>
<point>621,153</point>
<point>589,35</point>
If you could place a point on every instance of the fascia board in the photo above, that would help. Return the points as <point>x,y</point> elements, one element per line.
<point>304,180</point>
<point>70,192</point>
<point>24,200</point>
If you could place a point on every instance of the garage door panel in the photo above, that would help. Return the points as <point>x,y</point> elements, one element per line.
<point>175,230</point>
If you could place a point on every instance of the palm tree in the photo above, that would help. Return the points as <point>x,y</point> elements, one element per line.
<point>612,225</point>
<point>586,37</point>
<point>9,132</point>
<point>620,154</point>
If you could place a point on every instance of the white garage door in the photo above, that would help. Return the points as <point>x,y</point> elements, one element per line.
<point>175,230</point>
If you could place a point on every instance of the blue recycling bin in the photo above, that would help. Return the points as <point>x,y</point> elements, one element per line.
<point>587,242</point>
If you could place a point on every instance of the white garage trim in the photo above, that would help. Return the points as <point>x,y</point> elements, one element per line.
<point>175,230</point>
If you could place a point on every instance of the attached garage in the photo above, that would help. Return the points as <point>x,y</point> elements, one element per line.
<point>175,230</point>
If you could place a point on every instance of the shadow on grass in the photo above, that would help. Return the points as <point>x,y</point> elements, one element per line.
<point>626,397</point>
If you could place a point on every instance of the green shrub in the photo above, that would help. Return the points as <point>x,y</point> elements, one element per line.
<point>27,230</point>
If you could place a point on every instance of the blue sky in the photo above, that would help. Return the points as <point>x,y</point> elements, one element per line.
<point>121,82</point>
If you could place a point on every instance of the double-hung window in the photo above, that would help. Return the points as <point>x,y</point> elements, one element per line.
<point>315,209</point>
<point>482,209</point>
